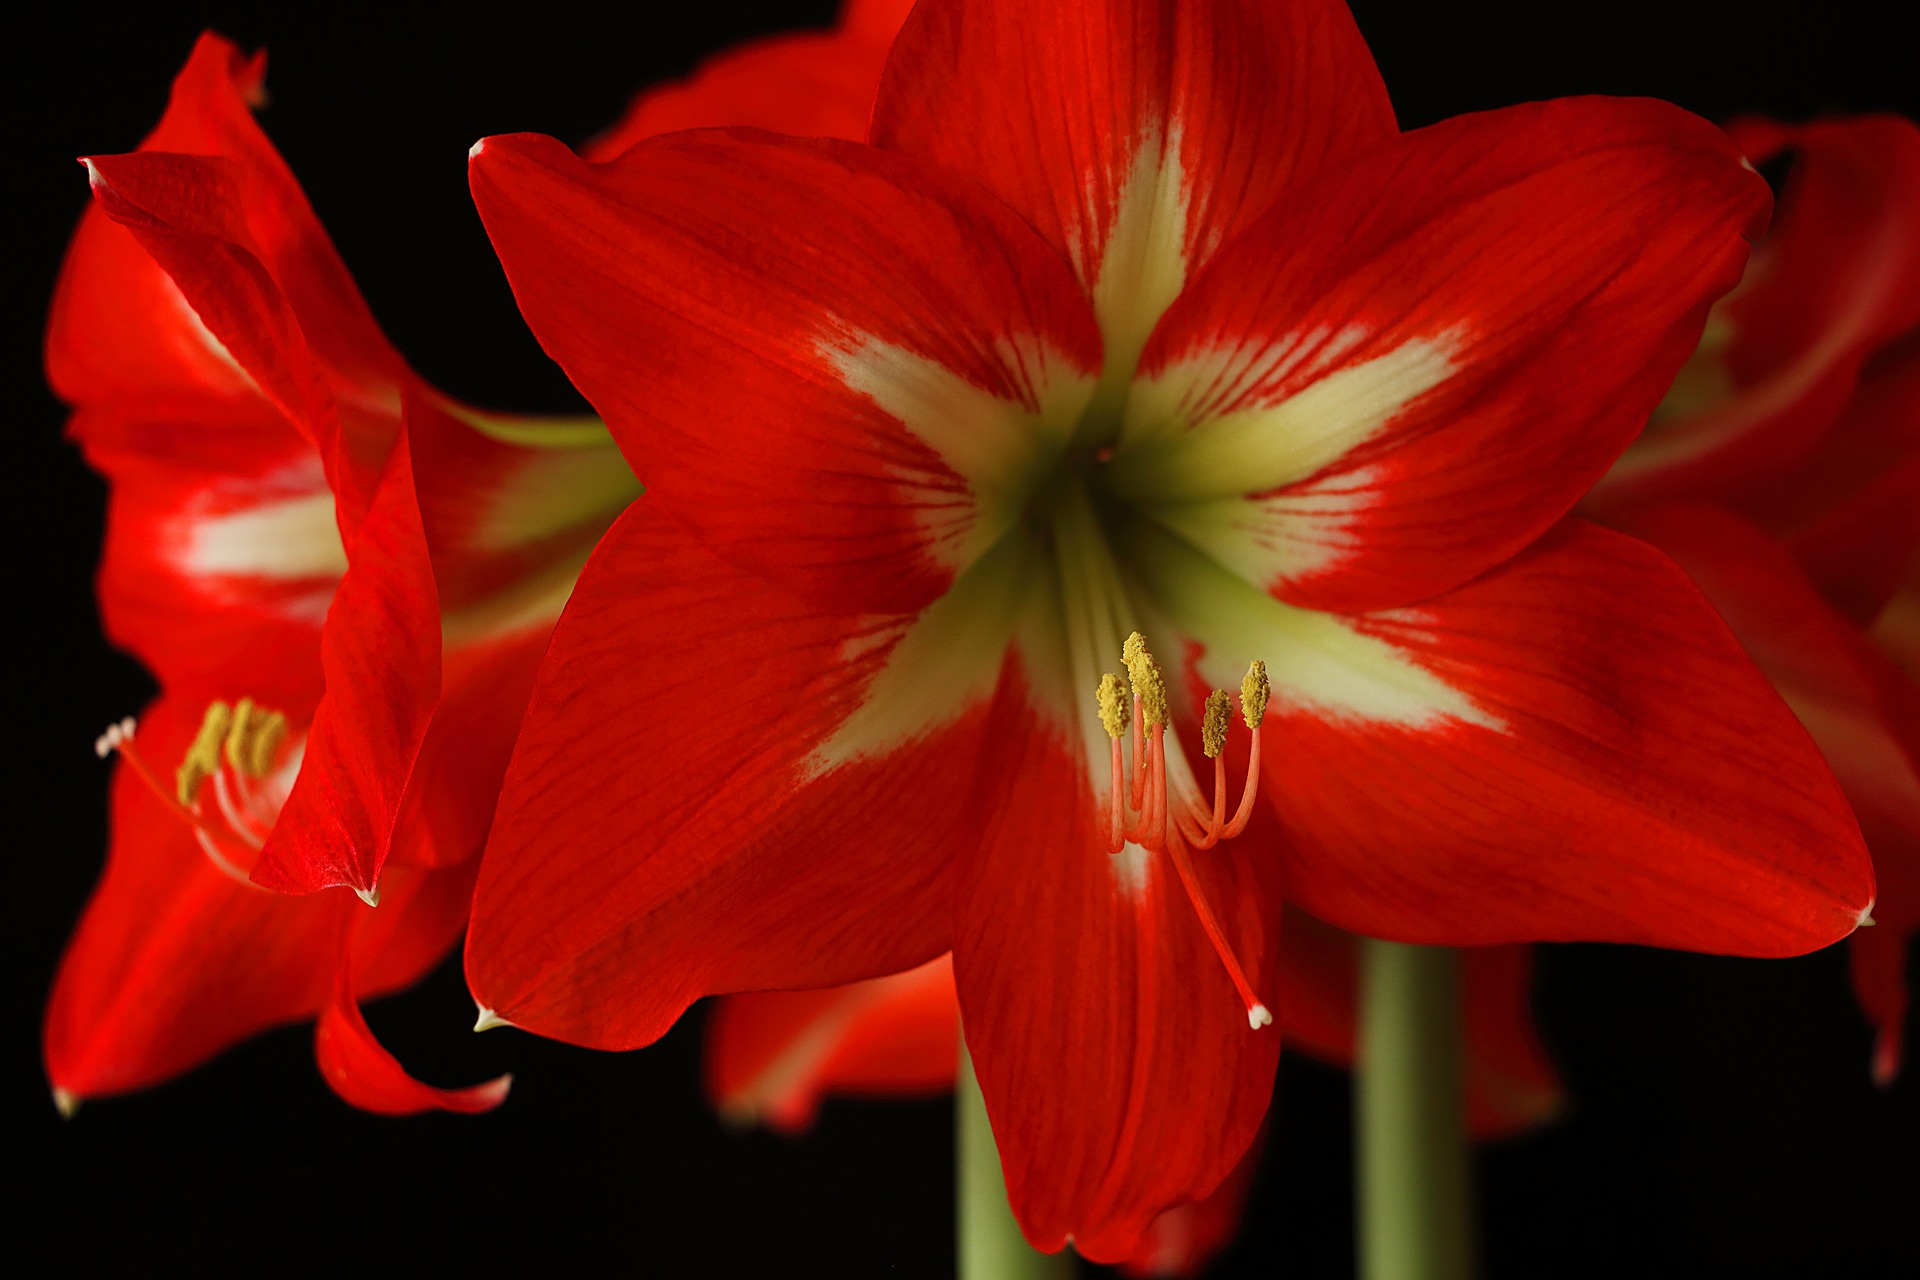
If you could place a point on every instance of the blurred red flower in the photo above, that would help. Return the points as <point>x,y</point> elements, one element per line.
<point>1782,472</point>
<point>295,521</point>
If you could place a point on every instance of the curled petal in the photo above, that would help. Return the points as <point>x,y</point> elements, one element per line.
<point>1837,278</point>
<point>358,1068</point>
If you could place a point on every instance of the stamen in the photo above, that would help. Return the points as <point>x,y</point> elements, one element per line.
<point>254,740</point>
<point>1115,715</point>
<point>1254,691</point>
<point>202,759</point>
<point>249,737</point>
<point>1141,784</point>
<point>1213,724</point>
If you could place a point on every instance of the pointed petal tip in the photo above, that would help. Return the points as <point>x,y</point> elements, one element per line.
<point>67,1104</point>
<point>473,152</point>
<point>488,1020</point>
<point>1865,918</point>
<point>1259,1016</point>
<point>369,896</point>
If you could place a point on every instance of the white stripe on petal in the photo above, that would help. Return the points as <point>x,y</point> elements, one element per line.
<point>1318,662</point>
<point>1231,420</point>
<point>939,663</point>
<point>1143,264</point>
<point>284,538</point>
<point>1000,447</point>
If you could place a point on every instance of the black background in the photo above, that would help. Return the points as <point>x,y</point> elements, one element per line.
<point>1722,1121</point>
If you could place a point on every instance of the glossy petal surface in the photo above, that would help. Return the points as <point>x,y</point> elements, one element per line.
<point>1396,380</point>
<point>1421,759</point>
<point>747,853</point>
<point>758,319</point>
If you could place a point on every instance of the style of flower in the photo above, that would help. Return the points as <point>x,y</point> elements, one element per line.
<point>1132,318</point>
<point>1780,472</point>
<point>342,587</point>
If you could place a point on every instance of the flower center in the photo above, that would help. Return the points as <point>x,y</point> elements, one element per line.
<point>231,782</point>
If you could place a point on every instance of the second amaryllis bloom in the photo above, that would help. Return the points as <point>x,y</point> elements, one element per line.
<point>342,588</point>
<point>1132,319</point>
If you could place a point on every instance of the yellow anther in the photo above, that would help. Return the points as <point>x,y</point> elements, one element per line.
<point>202,759</point>
<point>1116,708</point>
<point>1153,693</point>
<point>1144,673</point>
<point>1254,691</point>
<point>1213,723</point>
<point>254,738</point>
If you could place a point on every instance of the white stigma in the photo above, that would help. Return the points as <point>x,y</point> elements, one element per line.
<point>116,736</point>
<point>1259,1016</point>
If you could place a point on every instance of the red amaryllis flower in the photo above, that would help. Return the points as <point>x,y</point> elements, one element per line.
<point>1799,416</point>
<point>1134,317</point>
<point>271,557</point>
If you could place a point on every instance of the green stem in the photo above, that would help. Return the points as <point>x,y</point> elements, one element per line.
<point>531,431</point>
<point>990,1246</point>
<point>1410,1147</point>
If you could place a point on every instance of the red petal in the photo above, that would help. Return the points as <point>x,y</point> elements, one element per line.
<point>222,551</point>
<point>380,654</point>
<point>358,1068</point>
<point>1115,1058</point>
<point>1511,1084</point>
<point>812,85</point>
<point>1184,1239</point>
<point>1839,687</point>
<point>718,296</point>
<point>173,961</point>
<point>116,324</point>
<point>668,830</point>
<point>1838,277</point>
<point>1847,511</point>
<point>773,1055</point>
<point>1136,135</point>
<point>1583,699</point>
<point>1421,359</point>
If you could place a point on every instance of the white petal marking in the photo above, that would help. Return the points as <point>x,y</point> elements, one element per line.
<point>1318,662</point>
<point>285,538</point>
<point>1231,421</point>
<point>938,664</point>
<point>1143,264</point>
<point>1000,447</point>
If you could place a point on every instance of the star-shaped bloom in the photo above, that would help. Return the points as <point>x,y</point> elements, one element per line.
<point>1139,336</point>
